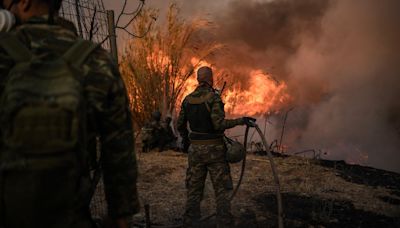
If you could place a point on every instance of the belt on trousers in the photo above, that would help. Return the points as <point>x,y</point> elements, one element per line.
<point>207,141</point>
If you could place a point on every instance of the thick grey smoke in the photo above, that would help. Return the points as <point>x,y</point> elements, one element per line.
<point>341,60</point>
<point>355,59</point>
<point>264,34</point>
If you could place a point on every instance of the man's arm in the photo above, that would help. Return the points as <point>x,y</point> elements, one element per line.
<point>117,143</point>
<point>182,127</point>
<point>6,64</point>
<point>218,116</point>
<point>182,122</point>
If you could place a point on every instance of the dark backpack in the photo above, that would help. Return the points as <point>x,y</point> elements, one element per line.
<point>42,106</point>
<point>43,150</point>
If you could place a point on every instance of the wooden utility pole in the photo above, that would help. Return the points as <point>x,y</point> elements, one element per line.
<point>112,35</point>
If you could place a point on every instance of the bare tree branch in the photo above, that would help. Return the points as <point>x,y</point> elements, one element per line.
<point>134,15</point>
<point>139,36</point>
<point>122,11</point>
<point>93,25</point>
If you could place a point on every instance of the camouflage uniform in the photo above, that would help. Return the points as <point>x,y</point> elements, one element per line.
<point>152,135</point>
<point>157,130</point>
<point>109,119</point>
<point>206,152</point>
<point>169,138</point>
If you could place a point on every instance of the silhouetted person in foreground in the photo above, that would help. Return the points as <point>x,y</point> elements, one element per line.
<point>59,93</point>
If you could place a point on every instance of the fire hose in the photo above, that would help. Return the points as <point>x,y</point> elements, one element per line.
<point>274,173</point>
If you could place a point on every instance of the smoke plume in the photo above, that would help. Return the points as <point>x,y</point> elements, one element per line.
<point>265,34</point>
<point>340,59</point>
<point>354,61</point>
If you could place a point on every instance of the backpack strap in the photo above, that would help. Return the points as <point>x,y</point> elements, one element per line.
<point>15,48</point>
<point>79,52</point>
<point>201,100</point>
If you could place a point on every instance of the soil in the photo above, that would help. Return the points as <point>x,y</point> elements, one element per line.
<point>316,193</point>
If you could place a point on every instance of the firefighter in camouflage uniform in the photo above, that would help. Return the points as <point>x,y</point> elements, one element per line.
<point>58,94</point>
<point>204,111</point>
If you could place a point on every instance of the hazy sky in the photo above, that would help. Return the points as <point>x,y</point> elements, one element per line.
<point>188,6</point>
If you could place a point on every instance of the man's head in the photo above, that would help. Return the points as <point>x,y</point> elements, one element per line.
<point>25,9</point>
<point>205,75</point>
<point>156,116</point>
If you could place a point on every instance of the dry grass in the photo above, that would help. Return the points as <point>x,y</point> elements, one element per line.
<point>162,177</point>
<point>313,195</point>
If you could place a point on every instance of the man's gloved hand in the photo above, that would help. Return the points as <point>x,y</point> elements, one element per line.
<point>249,121</point>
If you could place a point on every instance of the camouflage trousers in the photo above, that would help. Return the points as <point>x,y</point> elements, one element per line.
<point>210,159</point>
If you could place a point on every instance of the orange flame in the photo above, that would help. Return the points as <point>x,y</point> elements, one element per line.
<point>190,85</point>
<point>159,60</point>
<point>263,95</point>
<point>260,94</point>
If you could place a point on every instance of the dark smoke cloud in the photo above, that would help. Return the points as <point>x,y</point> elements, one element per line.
<point>263,34</point>
<point>356,60</point>
<point>341,61</point>
<point>263,25</point>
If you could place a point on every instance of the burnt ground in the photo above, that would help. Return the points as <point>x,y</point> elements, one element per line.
<point>305,211</point>
<point>364,175</point>
<point>315,193</point>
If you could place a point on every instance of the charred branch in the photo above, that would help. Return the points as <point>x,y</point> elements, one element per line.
<point>283,129</point>
<point>316,154</point>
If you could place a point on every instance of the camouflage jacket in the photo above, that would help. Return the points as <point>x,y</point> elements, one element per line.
<point>108,109</point>
<point>216,110</point>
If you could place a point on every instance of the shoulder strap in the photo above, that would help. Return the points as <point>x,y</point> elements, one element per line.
<point>200,100</point>
<point>79,52</point>
<point>15,48</point>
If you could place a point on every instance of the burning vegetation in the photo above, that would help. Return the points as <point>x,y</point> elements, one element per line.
<point>321,76</point>
<point>332,62</point>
